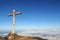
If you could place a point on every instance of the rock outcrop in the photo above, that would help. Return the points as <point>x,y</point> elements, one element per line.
<point>1,38</point>
<point>17,37</point>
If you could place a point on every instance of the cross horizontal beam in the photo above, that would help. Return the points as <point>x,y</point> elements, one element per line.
<point>17,13</point>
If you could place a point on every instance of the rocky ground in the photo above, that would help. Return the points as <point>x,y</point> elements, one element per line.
<point>17,37</point>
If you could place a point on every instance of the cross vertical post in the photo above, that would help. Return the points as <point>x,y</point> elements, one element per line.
<point>13,22</point>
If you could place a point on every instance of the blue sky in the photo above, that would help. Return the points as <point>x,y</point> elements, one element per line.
<point>36,14</point>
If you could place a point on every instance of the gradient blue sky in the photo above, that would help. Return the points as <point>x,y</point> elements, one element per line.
<point>36,14</point>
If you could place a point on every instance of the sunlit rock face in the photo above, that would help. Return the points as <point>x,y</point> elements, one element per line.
<point>1,38</point>
<point>17,37</point>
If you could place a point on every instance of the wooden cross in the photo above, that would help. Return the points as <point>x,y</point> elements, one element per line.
<point>13,19</point>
